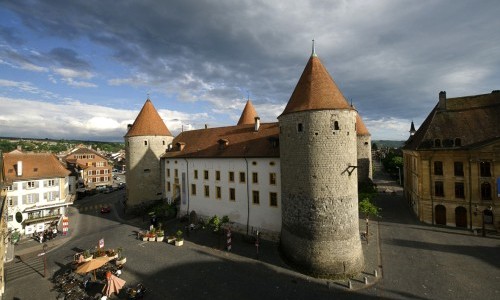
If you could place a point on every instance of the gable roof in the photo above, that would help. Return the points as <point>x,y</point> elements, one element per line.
<point>34,166</point>
<point>315,90</point>
<point>82,150</point>
<point>360,126</point>
<point>248,115</point>
<point>471,119</point>
<point>148,123</point>
<point>231,141</point>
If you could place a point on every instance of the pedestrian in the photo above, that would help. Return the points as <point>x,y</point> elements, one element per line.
<point>40,237</point>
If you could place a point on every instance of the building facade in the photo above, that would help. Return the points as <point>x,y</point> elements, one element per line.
<point>4,232</point>
<point>37,191</point>
<point>452,175</point>
<point>92,168</point>
<point>146,140</point>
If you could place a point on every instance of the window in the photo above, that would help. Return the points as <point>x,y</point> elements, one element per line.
<point>193,189</point>
<point>459,168</point>
<point>438,189</point>
<point>438,168</point>
<point>255,197</point>
<point>51,182</point>
<point>31,184</point>
<point>255,177</point>
<point>231,176</point>
<point>163,143</point>
<point>176,173</point>
<point>232,194</point>
<point>147,170</point>
<point>459,190</point>
<point>273,199</point>
<point>168,172</point>
<point>217,175</point>
<point>458,142</point>
<point>485,170</point>
<point>168,186</point>
<point>207,191</point>
<point>100,164</point>
<point>145,143</point>
<point>242,176</point>
<point>272,178</point>
<point>217,192</point>
<point>336,125</point>
<point>300,128</point>
<point>437,143</point>
<point>205,174</point>
<point>195,174</point>
<point>485,191</point>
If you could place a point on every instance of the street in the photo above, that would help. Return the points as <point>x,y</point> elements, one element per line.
<point>418,261</point>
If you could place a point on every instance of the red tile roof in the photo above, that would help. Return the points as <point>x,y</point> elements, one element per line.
<point>315,90</point>
<point>148,122</point>
<point>248,115</point>
<point>360,126</point>
<point>34,166</point>
<point>242,141</point>
<point>472,119</point>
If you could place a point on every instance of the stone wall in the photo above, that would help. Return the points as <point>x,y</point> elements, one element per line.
<point>320,230</point>
<point>364,149</point>
<point>143,167</point>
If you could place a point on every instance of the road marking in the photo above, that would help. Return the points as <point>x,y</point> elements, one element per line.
<point>142,244</point>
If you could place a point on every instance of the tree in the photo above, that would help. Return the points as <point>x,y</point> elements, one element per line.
<point>368,209</point>
<point>374,147</point>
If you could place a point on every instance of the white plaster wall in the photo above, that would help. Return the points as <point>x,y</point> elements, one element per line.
<point>260,216</point>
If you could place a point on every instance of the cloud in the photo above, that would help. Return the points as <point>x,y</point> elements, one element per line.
<point>76,83</point>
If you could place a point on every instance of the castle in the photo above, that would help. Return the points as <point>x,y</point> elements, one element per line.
<point>295,180</point>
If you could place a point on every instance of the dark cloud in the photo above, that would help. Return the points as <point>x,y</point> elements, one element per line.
<point>9,35</point>
<point>390,57</point>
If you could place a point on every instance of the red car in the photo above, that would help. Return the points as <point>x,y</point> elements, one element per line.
<point>105,209</point>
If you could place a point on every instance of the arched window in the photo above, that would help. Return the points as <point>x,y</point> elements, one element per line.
<point>485,191</point>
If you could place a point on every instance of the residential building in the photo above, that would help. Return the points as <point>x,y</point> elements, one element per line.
<point>92,168</point>
<point>4,232</point>
<point>37,191</point>
<point>451,163</point>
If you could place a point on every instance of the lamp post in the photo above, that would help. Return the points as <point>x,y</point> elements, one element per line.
<point>399,173</point>
<point>45,260</point>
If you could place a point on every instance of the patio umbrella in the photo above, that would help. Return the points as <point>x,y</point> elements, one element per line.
<point>113,285</point>
<point>92,265</point>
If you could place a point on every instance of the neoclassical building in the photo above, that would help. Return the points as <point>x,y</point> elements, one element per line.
<point>451,168</point>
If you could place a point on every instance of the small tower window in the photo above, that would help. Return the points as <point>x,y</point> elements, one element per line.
<point>163,143</point>
<point>458,142</point>
<point>336,125</point>
<point>145,143</point>
<point>300,127</point>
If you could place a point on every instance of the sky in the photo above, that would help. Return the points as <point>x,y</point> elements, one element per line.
<point>82,69</point>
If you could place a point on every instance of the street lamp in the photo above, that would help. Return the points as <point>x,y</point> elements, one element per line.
<point>399,173</point>
<point>45,247</point>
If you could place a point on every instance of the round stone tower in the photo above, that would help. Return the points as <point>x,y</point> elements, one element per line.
<point>146,140</point>
<point>320,230</point>
<point>364,142</point>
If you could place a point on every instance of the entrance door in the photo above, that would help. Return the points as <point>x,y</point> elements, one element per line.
<point>461,217</point>
<point>440,215</point>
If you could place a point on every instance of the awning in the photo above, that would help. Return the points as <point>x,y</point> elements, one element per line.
<point>35,208</point>
<point>41,219</point>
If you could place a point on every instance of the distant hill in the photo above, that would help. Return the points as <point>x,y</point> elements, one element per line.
<point>389,144</point>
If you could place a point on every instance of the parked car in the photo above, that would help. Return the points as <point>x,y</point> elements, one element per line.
<point>105,209</point>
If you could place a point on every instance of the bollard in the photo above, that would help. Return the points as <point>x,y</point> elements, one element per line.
<point>349,284</point>
<point>229,240</point>
<point>366,280</point>
<point>375,273</point>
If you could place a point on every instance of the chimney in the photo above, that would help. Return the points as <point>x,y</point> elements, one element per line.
<point>206,126</point>
<point>257,123</point>
<point>412,129</point>
<point>442,100</point>
<point>19,168</point>
<point>223,143</point>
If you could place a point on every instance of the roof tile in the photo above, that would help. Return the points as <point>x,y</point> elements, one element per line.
<point>148,122</point>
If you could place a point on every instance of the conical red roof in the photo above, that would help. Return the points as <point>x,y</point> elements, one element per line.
<point>148,122</point>
<point>248,115</point>
<point>315,90</point>
<point>361,127</point>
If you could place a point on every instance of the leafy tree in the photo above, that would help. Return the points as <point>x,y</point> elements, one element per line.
<point>368,209</point>
<point>374,147</point>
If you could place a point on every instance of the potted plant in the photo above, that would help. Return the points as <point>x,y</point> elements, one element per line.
<point>111,253</point>
<point>121,259</point>
<point>144,236</point>
<point>160,235</point>
<point>87,256</point>
<point>152,235</point>
<point>170,239</point>
<point>179,241</point>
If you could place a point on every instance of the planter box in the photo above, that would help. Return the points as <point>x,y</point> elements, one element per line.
<point>179,243</point>
<point>87,259</point>
<point>113,257</point>
<point>144,238</point>
<point>170,239</point>
<point>121,261</point>
<point>152,239</point>
<point>160,238</point>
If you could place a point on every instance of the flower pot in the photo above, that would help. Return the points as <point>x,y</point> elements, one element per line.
<point>160,238</point>
<point>113,256</point>
<point>121,261</point>
<point>144,238</point>
<point>87,259</point>
<point>152,239</point>
<point>170,239</point>
<point>179,243</point>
